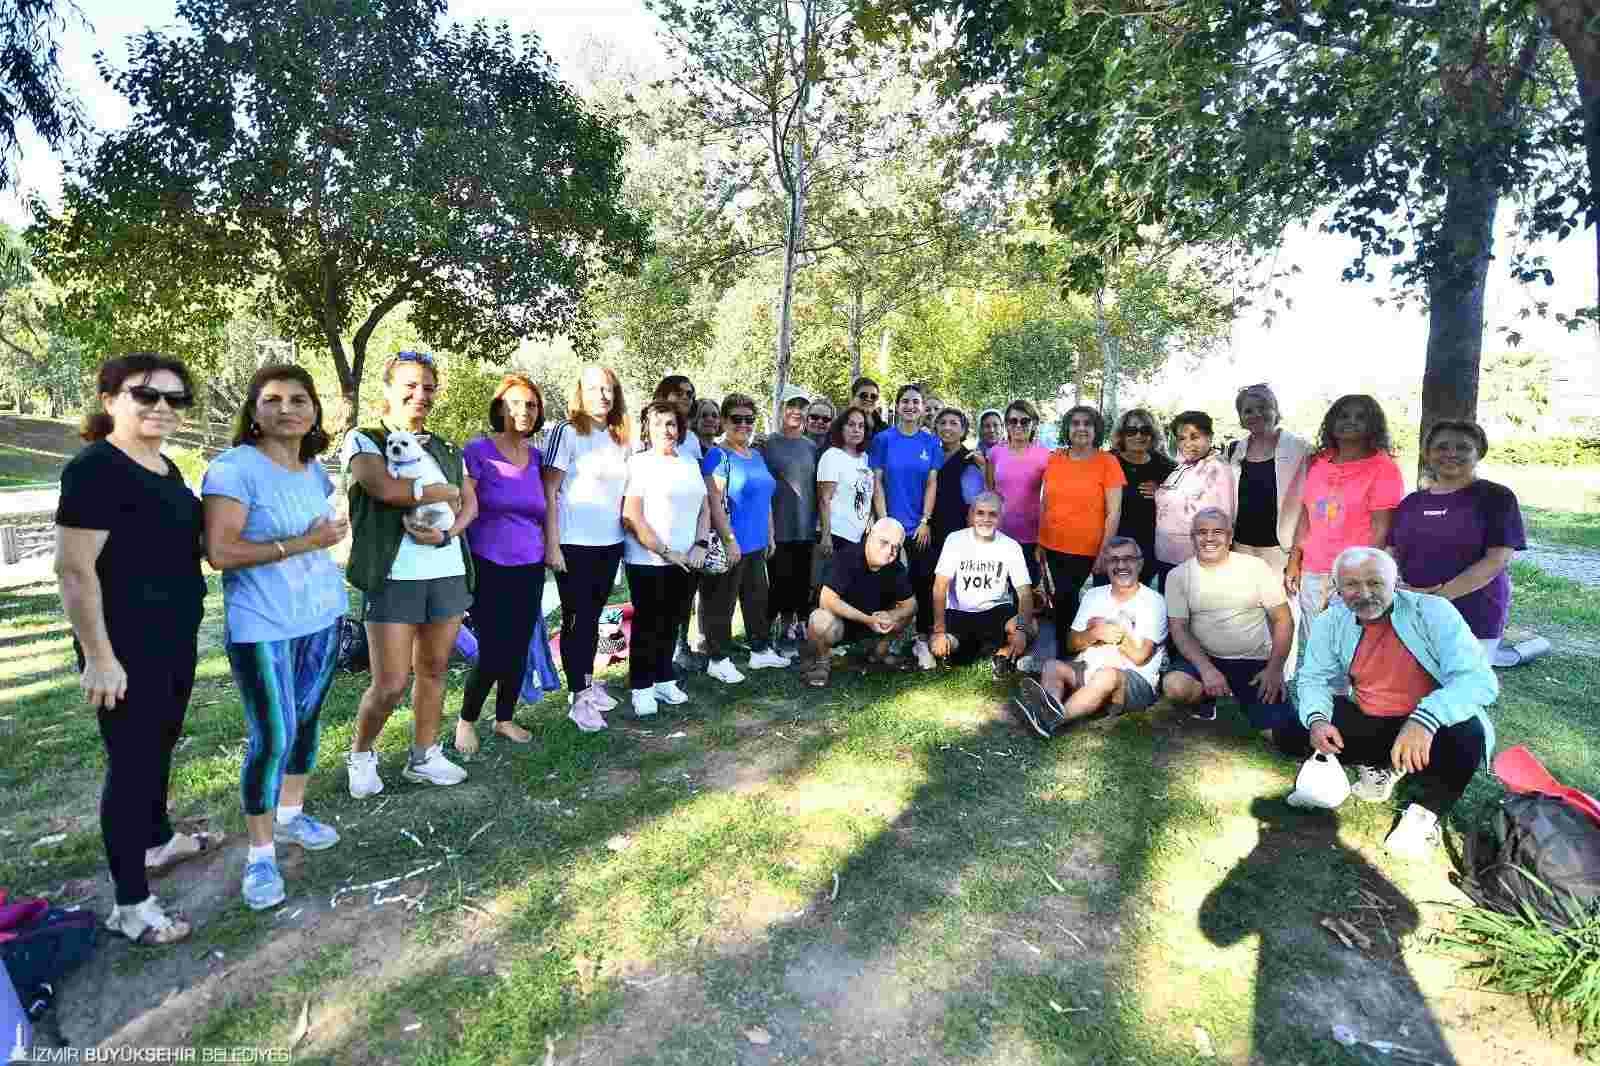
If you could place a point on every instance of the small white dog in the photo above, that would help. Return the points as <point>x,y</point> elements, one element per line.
<point>408,459</point>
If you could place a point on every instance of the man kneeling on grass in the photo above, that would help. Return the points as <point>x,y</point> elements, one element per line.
<point>1116,642</point>
<point>1421,687</point>
<point>972,607</point>
<point>1231,623</point>
<point>865,593</point>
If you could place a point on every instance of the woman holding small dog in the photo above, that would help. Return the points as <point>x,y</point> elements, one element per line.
<point>268,528</point>
<point>417,577</point>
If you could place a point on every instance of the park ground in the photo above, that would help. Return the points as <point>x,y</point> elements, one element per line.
<point>888,871</point>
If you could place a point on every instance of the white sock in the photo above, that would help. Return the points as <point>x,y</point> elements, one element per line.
<point>288,814</point>
<point>264,851</point>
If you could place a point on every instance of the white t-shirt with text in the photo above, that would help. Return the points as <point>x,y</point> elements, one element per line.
<point>851,506</point>
<point>981,573</point>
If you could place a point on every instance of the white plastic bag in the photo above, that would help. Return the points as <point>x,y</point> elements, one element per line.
<point>16,1034</point>
<point>1322,783</point>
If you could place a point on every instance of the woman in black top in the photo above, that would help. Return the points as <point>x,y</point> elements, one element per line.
<point>1136,442</point>
<point>128,546</point>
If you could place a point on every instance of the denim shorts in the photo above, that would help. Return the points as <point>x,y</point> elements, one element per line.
<point>435,599</point>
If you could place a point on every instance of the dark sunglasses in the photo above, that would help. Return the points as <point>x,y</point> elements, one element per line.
<point>145,396</point>
<point>1019,421</point>
<point>414,357</point>
<point>742,420</point>
<point>818,418</point>
<point>1138,431</point>
<point>870,397</point>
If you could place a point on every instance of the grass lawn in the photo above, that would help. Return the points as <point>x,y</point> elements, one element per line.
<point>1581,529</point>
<point>887,871</point>
<point>23,466</point>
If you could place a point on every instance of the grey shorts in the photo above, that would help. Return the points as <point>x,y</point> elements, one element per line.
<point>436,599</point>
<point>1136,691</point>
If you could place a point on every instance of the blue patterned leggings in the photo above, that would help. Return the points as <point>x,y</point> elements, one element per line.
<point>282,684</point>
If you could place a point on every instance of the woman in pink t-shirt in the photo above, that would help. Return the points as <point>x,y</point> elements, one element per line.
<point>1352,488</point>
<point>1016,472</point>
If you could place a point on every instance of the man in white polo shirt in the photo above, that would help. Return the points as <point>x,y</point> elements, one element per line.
<point>972,606</point>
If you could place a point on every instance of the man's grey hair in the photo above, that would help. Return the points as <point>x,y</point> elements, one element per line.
<point>1361,553</point>
<point>1212,512</point>
<point>886,526</point>
<point>990,496</point>
<point>1121,542</point>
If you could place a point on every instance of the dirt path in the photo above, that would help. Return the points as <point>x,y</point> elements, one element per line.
<point>1564,560</point>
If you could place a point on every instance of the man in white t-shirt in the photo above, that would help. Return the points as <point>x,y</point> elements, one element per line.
<point>1115,640</point>
<point>972,608</point>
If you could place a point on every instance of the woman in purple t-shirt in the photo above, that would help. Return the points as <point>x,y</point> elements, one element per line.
<point>507,543</point>
<point>1456,537</point>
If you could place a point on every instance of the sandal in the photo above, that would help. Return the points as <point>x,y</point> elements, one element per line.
<point>203,843</point>
<point>815,671</point>
<point>147,924</point>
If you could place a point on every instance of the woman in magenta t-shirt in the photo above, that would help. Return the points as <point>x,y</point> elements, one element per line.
<point>1016,472</point>
<point>1456,537</point>
<point>507,543</point>
<point>1352,489</point>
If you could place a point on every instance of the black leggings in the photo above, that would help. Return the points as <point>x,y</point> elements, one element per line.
<point>139,735</point>
<point>505,609</point>
<point>658,593</point>
<point>591,571</point>
<point>789,579</point>
<point>921,562</point>
<point>1067,574</point>
<point>1455,755</point>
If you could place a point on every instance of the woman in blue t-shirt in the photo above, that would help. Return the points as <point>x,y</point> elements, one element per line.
<point>268,529</point>
<point>741,489</point>
<point>905,459</point>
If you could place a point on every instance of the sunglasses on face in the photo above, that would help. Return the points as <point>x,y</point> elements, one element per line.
<point>742,420</point>
<point>817,418</point>
<point>870,397</point>
<point>1138,431</point>
<point>1024,422</point>
<point>414,357</point>
<point>145,396</point>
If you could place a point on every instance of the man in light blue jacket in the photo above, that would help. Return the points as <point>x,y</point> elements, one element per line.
<point>1420,687</point>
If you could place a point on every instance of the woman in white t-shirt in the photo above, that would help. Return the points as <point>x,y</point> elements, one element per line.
<point>844,483</point>
<point>585,471</point>
<point>668,523</point>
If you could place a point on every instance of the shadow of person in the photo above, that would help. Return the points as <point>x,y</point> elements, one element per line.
<point>1298,876</point>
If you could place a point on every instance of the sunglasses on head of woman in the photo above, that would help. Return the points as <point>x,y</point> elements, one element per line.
<point>414,357</point>
<point>146,396</point>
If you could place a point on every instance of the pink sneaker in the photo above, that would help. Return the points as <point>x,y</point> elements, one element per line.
<point>585,715</point>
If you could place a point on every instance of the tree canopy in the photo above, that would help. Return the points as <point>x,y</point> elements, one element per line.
<point>339,161</point>
<point>31,89</point>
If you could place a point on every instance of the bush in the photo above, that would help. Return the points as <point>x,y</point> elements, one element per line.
<point>1546,451</point>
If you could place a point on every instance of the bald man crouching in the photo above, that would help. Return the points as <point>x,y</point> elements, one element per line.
<point>865,594</point>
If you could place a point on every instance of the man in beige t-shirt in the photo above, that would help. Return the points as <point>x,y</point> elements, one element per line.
<point>1231,624</point>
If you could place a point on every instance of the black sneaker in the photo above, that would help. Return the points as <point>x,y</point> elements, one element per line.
<point>689,662</point>
<point>1205,712</point>
<point>1002,667</point>
<point>1037,709</point>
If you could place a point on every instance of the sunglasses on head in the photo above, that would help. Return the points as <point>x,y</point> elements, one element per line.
<point>1019,421</point>
<point>414,357</point>
<point>146,396</point>
<point>742,420</point>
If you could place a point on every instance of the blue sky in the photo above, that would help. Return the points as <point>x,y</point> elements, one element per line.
<point>1334,337</point>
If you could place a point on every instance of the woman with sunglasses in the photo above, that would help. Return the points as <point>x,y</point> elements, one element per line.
<point>507,544</point>
<point>1201,480</point>
<point>585,473</point>
<point>128,544</point>
<point>417,579</point>
<point>792,459</point>
<point>1138,449</point>
<point>1016,472</point>
<point>819,419</point>
<point>268,530</point>
<point>905,460</point>
<point>1269,474</point>
<point>740,489</point>
<point>864,394</point>
<point>1081,509</point>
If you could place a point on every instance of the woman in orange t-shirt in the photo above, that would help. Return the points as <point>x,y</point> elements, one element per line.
<point>1082,506</point>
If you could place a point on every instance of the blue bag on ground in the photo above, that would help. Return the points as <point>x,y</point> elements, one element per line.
<point>540,676</point>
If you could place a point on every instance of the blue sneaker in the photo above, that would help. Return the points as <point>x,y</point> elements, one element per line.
<point>305,831</point>
<point>263,885</point>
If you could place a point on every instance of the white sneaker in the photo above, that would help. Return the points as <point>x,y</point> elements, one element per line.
<point>585,715</point>
<point>1375,784</point>
<point>669,692</point>
<point>1417,834</point>
<point>767,659</point>
<point>435,769</point>
<point>644,703</point>
<point>362,767</point>
<point>602,700</point>
<point>724,670</point>
<point>924,654</point>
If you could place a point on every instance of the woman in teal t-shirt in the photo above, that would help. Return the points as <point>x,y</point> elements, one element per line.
<point>741,490</point>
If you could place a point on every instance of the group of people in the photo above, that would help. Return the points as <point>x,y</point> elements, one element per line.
<point>838,526</point>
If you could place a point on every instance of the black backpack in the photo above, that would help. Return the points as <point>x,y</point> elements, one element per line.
<point>1535,853</point>
<point>353,653</point>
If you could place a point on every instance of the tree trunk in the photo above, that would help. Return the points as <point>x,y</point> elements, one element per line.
<point>791,247</point>
<point>884,336</point>
<point>1110,359</point>
<point>1455,299</point>
<point>857,328</point>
